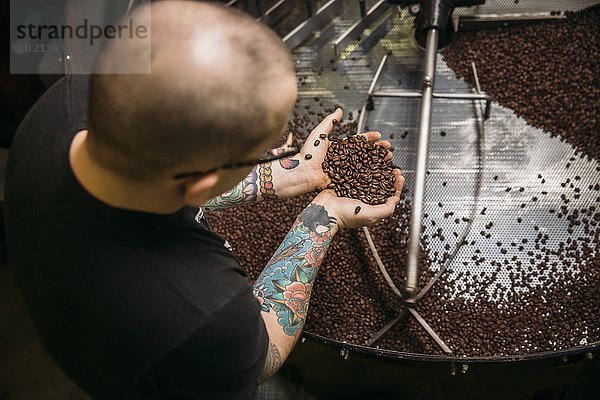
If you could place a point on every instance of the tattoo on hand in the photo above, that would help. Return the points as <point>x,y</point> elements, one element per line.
<point>266,181</point>
<point>288,163</point>
<point>245,191</point>
<point>285,284</point>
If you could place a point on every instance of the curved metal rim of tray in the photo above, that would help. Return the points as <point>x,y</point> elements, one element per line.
<point>393,354</point>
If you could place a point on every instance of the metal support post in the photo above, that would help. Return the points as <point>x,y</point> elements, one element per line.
<point>363,8</point>
<point>414,242</point>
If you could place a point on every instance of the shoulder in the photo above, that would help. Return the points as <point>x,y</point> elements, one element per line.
<point>223,358</point>
<point>46,131</point>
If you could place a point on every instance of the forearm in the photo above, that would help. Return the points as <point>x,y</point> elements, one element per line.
<point>284,287</point>
<point>268,181</point>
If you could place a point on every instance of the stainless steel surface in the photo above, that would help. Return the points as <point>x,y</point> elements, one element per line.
<point>437,95</point>
<point>355,30</point>
<point>276,12</point>
<point>481,117</point>
<point>366,107</point>
<point>523,6</point>
<point>382,268</point>
<point>360,127</point>
<point>386,328</point>
<point>515,153</point>
<point>377,75</point>
<point>474,22</point>
<point>307,28</point>
<point>429,330</point>
<point>414,241</point>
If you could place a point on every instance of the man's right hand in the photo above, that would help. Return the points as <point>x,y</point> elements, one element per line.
<point>344,208</point>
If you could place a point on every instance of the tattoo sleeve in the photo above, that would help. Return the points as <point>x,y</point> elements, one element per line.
<point>285,284</point>
<point>247,190</point>
<point>272,362</point>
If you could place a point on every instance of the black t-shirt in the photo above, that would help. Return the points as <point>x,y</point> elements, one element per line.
<point>130,305</point>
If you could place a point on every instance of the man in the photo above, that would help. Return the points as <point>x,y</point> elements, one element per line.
<point>132,296</point>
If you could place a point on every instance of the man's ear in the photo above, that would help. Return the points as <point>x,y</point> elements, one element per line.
<point>198,190</point>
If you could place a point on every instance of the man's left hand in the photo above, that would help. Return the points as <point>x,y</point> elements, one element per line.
<point>311,169</point>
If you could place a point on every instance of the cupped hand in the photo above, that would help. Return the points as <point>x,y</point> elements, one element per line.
<point>344,209</point>
<point>312,168</point>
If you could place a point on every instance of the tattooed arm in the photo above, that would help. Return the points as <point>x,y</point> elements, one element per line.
<point>268,181</point>
<point>284,287</point>
<point>288,177</point>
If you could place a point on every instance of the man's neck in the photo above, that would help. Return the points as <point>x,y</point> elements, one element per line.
<point>116,191</point>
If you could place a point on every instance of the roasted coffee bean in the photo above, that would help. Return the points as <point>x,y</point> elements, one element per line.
<point>523,47</point>
<point>323,136</point>
<point>308,156</point>
<point>317,142</point>
<point>496,307</point>
<point>360,165</point>
<point>479,327</point>
<point>357,210</point>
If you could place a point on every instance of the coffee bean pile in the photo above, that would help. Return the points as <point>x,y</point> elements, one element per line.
<point>542,293</point>
<point>547,72</point>
<point>516,307</point>
<point>357,169</point>
<point>351,300</point>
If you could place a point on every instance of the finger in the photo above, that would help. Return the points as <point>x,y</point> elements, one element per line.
<point>371,136</point>
<point>290,140</point>
<point>384,143</point>
<point>399,182</point>
<point>327,124</point>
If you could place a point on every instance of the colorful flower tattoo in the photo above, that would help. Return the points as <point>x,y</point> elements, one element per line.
<point>245,191</point>
<point>266,181</point>
<point>286,282</point>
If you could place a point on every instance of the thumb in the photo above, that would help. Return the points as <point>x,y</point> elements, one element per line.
<point>326,126</point>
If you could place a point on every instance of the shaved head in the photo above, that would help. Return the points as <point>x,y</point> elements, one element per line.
<point>220,89</point>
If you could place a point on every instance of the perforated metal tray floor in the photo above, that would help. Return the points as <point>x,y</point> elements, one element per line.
<point>515,154</point>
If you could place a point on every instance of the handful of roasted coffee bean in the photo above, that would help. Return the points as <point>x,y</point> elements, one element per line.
<point>357,169</point>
